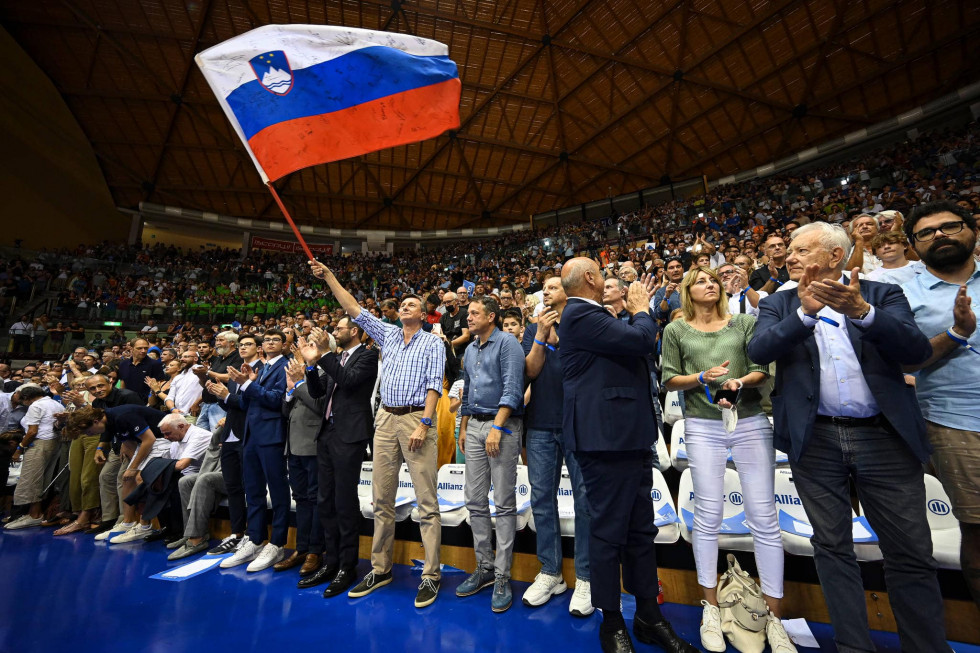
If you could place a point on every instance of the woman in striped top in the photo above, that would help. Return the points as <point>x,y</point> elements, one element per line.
<point>704,353</point>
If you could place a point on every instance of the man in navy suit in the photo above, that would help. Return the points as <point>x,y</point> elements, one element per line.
<point>842,410</point>
<point>264,459</point>
<point>609,423</point>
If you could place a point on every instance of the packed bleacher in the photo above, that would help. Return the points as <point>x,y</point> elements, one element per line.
<point>243,382</point>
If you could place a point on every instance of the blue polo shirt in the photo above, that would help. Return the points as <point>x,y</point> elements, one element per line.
<point>493,375</point>
<point>547,396</point>
<point>948,390</point>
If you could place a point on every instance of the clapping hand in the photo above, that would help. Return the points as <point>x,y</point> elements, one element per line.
<point>308,349</point>
<point>845,299</point>
<point>295,372</point>
<point>218,389</point>
<point>964,319</point>
<point>716,372</point>
<point>201,370</point>
<point>649,283</point>
<point>808,301</point>
<point>638,297</point>
<point>247,373</point>
<point>154,384</point>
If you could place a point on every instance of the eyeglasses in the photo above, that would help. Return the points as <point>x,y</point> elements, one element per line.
<point>948,228</point>
<point>246,344</point>
<point>726,273</point>
<point>276,339</point>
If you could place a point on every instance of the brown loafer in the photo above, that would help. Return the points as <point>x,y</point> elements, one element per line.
<point>311,564</point>
<point>294,560</point>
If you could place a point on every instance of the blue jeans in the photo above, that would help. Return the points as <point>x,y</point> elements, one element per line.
<point>889,483</point>
<point>545,449</point>
<point>209,416</point>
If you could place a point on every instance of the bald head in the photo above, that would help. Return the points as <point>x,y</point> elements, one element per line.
<point>580,277</point>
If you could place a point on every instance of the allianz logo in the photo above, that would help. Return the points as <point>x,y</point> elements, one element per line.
<point>565,492</point>
<point>364,481</point>
<point>655,494</point>
<point>938,507</point>
<point>522,489</point>
<point>405,484</point>
<point>451,486</point>
<point>788,499</point>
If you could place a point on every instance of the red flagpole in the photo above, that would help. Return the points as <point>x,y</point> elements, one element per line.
<point>289,219</point>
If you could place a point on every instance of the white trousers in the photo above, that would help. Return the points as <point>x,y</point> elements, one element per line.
<point>752,451</point>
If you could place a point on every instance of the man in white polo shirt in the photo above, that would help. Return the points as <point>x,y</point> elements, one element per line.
<point>39,444</point>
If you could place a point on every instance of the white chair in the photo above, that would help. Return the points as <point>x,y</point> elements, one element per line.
<point>865,540</point>
<point>450,484</point>
<point>663,456</point>
<point>405,496</point>
<point>566,505</point>
<point>734,534</point>
<point>364,491</point>
<point>522,491</point>
<point>793,522</point>
<point>945,528</point>
<point>678,451</point>
<point>664,515</point>
<point>14,474</point>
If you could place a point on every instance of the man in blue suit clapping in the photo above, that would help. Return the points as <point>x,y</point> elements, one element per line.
<point>610,424</point>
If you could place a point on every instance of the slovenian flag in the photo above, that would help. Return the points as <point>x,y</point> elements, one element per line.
<point>301,95</point>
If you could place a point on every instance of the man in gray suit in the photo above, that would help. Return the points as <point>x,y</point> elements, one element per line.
<point>304,418</point>
<point>199,495</point>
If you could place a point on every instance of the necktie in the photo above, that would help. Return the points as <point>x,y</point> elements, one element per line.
<point>343,361</point>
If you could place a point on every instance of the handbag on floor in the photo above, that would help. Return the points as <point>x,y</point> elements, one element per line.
<point>744,613</point>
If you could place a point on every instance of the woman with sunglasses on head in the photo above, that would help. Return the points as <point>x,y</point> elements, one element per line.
<point>704,356</point>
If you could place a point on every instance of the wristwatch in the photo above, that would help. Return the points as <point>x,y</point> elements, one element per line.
<point>426,421</point>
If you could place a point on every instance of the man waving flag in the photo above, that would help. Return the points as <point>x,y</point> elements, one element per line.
<point>300,95</point>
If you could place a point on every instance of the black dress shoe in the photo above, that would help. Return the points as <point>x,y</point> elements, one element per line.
<point>340,583</point>
<point>322,575</point>
<point>615,641</point>
<point>661,634</point>
<point>156,536</point>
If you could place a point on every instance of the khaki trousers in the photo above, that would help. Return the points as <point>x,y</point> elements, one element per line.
<point>84,481</point>
<point>35,459</point>
<point>390,448</point>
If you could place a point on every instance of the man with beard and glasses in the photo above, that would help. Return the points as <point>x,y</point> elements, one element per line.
<point>943,295</point>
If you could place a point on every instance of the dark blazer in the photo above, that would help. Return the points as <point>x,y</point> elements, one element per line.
<point>608,405</point>
<point>891,341</point>
<point>353,421</point>
<point>304,419</point>
<point>264,424</point>
<point>235,407</point>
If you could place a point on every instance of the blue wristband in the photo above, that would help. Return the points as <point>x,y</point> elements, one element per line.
<point>960,340</point>
<point>776,281</point>
<point>545,345</point>
<point>310,368</point>
<point>501,428</point>
<point>701,379</point>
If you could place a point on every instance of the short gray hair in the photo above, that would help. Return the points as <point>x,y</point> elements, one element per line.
<point>229,336</point>
<point>830,236</point>
<point>850,225</point>
<point>172,420</point>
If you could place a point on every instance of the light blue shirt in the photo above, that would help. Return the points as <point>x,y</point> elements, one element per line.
<point>493,375</point>
<point>843,389</point>
<point>949,389</point>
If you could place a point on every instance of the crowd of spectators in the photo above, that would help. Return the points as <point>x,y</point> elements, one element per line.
<point>194,312</point>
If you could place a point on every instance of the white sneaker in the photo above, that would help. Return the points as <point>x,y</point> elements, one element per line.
<point>542,589</point>
<point>779,641</point>
<point>135,534</point>
<point>581,605</point>
<point>24,521</point>
<point>120,527</point>
<point>270,555</point>
<point>711,636</point>
<point>246,553</point>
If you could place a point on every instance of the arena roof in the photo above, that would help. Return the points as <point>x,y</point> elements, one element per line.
<point>563,102</point>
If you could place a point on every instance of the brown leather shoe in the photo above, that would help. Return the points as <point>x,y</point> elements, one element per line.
<point>294,560</point>
<point>311,564</point>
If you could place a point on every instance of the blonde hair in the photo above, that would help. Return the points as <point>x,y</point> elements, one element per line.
<point>687,304</point>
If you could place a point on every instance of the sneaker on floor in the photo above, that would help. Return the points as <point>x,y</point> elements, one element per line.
<point>137,533</point>
<point>268,556</point>
<point>118,529</point>
<point>502,597</point>
<point>228,545</point>
<point>475,582</point>
<point>779,641</point>
<point>428,591</point>
<point>187,549</point>
<point>24,521</point>
<point>176,544</point>
<point>711,637</point>
<point>542,589</point>
<point>247,551</point>
<point>581,604</point>
<point>369,583</point>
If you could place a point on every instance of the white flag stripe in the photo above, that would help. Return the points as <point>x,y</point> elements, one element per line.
<point>226,65</point>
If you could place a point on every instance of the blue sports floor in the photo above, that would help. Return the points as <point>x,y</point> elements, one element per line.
<point>72,593</point>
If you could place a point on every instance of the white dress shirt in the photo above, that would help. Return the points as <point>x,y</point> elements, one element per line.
<point>193,445</point>
<point>185,389</point>
<point>843,390</point>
